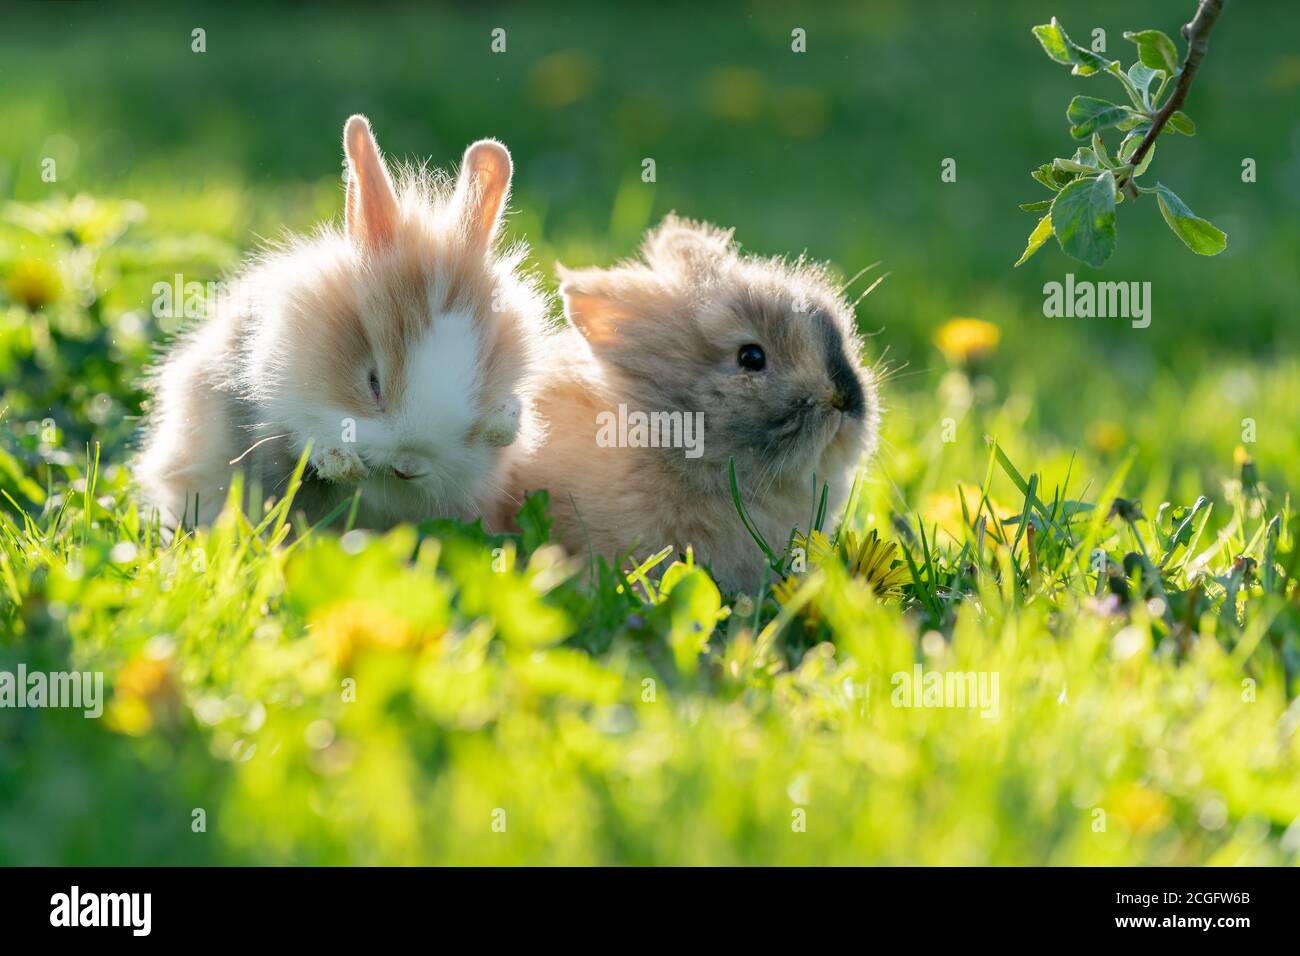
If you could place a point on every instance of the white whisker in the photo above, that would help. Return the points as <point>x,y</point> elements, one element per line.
<point>263,441</point>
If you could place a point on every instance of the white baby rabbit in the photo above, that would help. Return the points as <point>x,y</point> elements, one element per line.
<point>400,347</point>
<point>766,350</point>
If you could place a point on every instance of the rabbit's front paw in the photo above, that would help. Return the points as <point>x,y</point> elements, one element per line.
<point>501,425</point>
<point>339,465</point>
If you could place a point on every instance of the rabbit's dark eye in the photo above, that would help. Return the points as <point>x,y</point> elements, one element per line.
<point>374,385</point>
<point>751,357</point>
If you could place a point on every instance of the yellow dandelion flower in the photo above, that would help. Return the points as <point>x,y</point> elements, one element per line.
<point>143,677</point>
<point>1246,469</point>
<point>33,283</point>
<point>349,627</point>
<point>945,511</point>
<point>144,694</point>
<point>817,548</point>
<point>785,589</point>
<point>784,592</point>
<point>872,561</point>
<point>1141,810</point>
<point>1106,437</point>
<point>967,342</point>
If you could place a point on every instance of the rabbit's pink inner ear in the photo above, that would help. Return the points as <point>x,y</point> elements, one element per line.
<point>371,211</point>
<point>483,188</point>
<point>595,316</point>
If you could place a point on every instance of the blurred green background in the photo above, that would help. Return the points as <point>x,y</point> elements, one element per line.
<point>836,152</point>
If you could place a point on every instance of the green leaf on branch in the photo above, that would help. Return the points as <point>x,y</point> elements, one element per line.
<point>1085,156</point>
<point>1051,178</point>
<point>1099,177</point>
<point>1180,122</point>
<point>1130,145</point>
<point>1141,75</point>
<point>1087,114</point>
<point>1042,232</point>
<point>1201,236</point>
<point>1083,216</point>
<point>1099,150</point>
<point>1062,49</point>
<point>1155,50</point>
<point>1134,120</point>
<point>1079,166</point>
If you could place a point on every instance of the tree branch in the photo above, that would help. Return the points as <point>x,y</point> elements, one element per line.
<point>1196,34</point>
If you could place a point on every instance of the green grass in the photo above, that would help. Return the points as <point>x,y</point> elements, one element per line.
<point>354,698</point>
<point>381,699</point>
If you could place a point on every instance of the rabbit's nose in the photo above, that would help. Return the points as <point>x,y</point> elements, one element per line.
<point>847,397</point>
<point>407,467</point>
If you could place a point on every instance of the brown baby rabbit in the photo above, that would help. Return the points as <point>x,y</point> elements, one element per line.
<point>398,347</point>
<point>722,356</point>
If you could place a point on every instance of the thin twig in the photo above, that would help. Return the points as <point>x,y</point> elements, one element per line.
<point>1196,34</point>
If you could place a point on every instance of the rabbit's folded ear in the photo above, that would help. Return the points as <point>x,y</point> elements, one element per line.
<point>593,304</point>
<point>371,214</point>
<point>483,188</point>
<point>594,316</point>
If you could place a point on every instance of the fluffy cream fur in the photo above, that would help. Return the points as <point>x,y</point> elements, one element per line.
<point>662,334</point>
<point>399,347</point>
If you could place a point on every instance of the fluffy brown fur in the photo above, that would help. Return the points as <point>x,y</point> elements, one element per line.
<point>662,334</point>
<point>399,347</point>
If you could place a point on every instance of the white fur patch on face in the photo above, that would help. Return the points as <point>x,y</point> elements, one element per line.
<point>423,440</point>
<point>439,406</point>
<point>425,437</point>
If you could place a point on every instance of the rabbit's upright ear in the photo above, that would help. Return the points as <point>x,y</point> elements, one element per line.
<point>371,203</point>
<point>483,188</point>
<point>687,248</point>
